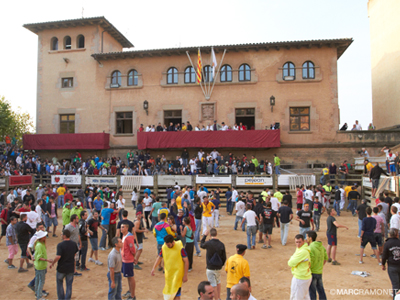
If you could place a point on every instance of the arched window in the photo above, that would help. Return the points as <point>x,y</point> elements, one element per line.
<point>288,72</point>
<point>207,74</point>
<point>80,41</point>
<point>244,73</point>
<point>308,70</point>
<point>190,75</point>
<point>116,79</point>
<point>133,77</point>
<point>67,42</point>
<point>172,76</point>
<point>54,43</point>
<point>226,73</point>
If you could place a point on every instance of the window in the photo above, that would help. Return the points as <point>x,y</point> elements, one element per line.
<point>172,76</point>
<point>207,74</point>
<point>246,116</point>
<point>54,43</point>
<point>124,122</point>
<point>172,116</point>
<point>133,78</point>
<point>308,70</point>
<point>226,73</point>
<point>190,75</point>
<point>67,82</point>
<point>67,42</point>
<point>288,72</point>
<point>116,79</point>
<point>67,123</point>
<point>299,119</point>
<point>80,41</point>
<point>244,73</point>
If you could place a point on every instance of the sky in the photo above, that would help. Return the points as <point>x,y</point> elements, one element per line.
<point>166,24</point>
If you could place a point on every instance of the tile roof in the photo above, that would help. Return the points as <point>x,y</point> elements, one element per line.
<point>102,21</point>
<point>340,44</point>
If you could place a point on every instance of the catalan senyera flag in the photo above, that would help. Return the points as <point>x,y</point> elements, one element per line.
<point>198,72</point>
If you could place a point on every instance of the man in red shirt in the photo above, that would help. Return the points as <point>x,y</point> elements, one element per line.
<point>96,171</point>
<point>299,195</point>
<point>4,220</point>
<point>112,230</point>
<point>128,259</point>
<point>68,196</point>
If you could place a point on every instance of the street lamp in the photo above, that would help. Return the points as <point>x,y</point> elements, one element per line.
<point>146,106</point>
<point>272,102</point>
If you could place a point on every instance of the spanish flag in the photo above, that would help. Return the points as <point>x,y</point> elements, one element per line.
<point>198,73</point>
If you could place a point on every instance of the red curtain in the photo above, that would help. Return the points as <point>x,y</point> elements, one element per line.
<point>210,139</point>
<point>66,141</point>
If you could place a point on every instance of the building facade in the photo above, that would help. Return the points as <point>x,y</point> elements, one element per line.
<point>385,61</point>
<point>88,84</point>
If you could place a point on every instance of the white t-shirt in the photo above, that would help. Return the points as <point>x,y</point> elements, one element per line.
<point>33,219</point>
<point>234,195</point>
<point>251,297</point>
<point>275,203</point>
<point>121,203</point>
<point>147,201</point>
<point>225,127</point>
<point>308,194</point>
<point>395,222</point>
<point>358,126</point>
<point>202,194</point>
<point>38,210</point>
<point>177,187</point>
<point>342,194</point>
<point>240,206</point>
<point>319,195</point>
<point>200,154</point>
<point>23,193</point>
<point>250,217</point>
<point>235,127</point>
<point>214,154</point>
<point>397,206</point>
<point>134,196</point>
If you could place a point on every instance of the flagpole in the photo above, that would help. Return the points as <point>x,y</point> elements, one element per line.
<point>187,53</point>
<point>205,86</point>
<point>220,65</point>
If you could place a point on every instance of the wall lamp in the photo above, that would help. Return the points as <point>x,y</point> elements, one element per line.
<point>146,106</point>
<point>272,102</point>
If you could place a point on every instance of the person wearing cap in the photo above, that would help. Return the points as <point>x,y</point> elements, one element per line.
<point>236,267</point>
<point>40,262</point>
<point>224,127</point>
<point>76,210</point>
<point>300,262</point>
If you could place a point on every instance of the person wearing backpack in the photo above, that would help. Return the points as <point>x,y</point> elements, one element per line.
<point>215,257</point>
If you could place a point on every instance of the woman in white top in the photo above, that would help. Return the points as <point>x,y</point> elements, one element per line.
<point>134,197</point>
<point>235,127</point>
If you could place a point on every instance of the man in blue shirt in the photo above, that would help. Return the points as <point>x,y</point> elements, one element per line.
<point>98,203</point>
<point>367,234</point>
<point>105,222</point>
<point>147,190</point>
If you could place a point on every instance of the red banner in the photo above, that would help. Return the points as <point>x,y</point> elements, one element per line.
<point>20,180</point>
<point>210,139</point>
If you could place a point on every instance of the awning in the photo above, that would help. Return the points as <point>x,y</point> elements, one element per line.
<point>209,139</point>
<point>77,141</point>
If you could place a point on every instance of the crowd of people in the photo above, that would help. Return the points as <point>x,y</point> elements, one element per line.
<point>188,127</point>
<point>183,225</point>
<point>14,161</point>
<point>357,126</point>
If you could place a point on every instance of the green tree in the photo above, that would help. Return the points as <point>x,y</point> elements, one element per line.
<point>14,123</point>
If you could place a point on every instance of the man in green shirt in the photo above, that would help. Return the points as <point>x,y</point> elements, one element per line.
<point>154,212</point>
<point>277,163</point>
<point>66,214</point>
<point>254,161</point>
<point>40,262</point>
<point>318,259</point>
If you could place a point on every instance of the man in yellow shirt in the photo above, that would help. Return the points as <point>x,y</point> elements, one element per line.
<point>61,192</point>
<point>278,195</point>
<point>179,199</point>
<point>368,166</point>
<point>208,209</point>
<point>236,267</point>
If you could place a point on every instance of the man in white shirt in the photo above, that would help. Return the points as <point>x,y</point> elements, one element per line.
<point>246,281</point>
<point>214,154</point>
<point>234,194</point>
<point>202,194</point>
<point>308,195</point>
<point>200,153</point>
<point>239,208</point>
<point>275,204</point>
<point>33,219</point>
<point>224,127</point>
<point>235,127</point>
<point>192,164</point>
<point>358,126</point>
<point>250,217</point>
<point>395,219</point>
<point>147,201</point>
<point>342,197</point>
<point>397,204</point>
<point>11,197</point>
<point>23,193</point>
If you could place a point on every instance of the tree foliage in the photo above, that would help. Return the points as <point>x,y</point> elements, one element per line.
<point>14,123</point>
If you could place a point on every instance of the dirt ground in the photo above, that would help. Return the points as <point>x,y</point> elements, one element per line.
<point>270,274</point>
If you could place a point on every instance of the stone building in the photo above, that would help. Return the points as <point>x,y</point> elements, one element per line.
<point>88,84</point>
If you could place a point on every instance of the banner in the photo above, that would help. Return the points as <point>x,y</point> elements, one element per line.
<point>20,180</point>
<point>264,181</point>
<point>169,180</point>
<point>214,180</point>
<point>66,179</point>
<point>101,180</point>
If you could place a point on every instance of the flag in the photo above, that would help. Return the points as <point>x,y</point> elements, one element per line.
<point>198,73</point>
<point>214,61</point>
